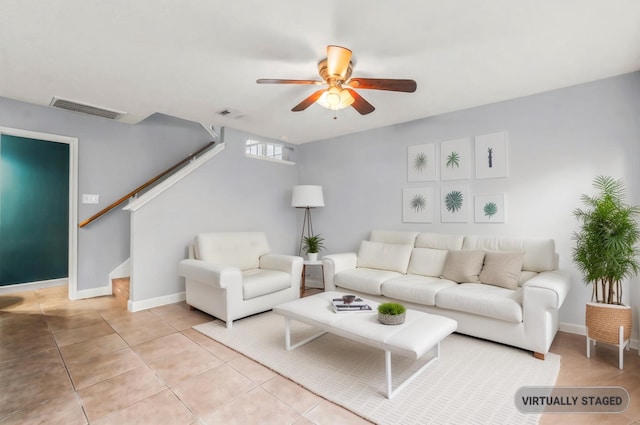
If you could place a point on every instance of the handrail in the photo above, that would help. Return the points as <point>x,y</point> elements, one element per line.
<point>145,185</point>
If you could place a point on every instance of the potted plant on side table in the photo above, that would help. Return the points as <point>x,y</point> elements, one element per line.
<point>605,253</point>
<point>312,246</point>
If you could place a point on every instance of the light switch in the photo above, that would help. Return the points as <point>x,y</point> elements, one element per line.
<point>88,198</point>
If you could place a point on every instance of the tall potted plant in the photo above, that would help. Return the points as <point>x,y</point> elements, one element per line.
<point>605,253</point>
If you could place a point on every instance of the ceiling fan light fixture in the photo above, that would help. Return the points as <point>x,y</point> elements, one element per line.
<point>336,98</point>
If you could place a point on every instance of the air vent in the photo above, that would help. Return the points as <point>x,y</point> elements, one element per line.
<point>97,111</point>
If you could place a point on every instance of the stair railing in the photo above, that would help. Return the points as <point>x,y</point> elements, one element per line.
<point>146,185</point>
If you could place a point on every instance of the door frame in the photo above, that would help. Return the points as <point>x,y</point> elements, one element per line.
<point>73,203</point>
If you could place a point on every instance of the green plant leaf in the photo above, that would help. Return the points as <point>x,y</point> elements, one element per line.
<point>490,209</point>
<point>453,201</point>
<point>453,160</point>
<point>313,244</point>
<point>606,244</point>
<point>391,308</point>
<point>418,203</point>
<point>420,162</point>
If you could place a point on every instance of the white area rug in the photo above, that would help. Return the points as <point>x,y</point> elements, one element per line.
<point>473,382</point>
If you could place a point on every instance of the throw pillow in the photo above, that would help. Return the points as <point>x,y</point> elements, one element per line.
<point>502,269</point>
<point>463,266</point>
<point>384,256</point>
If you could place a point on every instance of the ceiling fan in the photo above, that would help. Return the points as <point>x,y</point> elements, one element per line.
<point>335,71</point>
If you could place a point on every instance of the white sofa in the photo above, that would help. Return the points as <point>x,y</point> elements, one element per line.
<point>231,275</point>
<point>502,289</point>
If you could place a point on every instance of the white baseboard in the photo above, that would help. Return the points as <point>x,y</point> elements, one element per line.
<point>156,302</point>
<point>32,286</point>
<point>582,330</point>
<point>93,292</point>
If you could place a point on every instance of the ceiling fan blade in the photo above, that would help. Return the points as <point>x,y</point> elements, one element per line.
<point>407,86</point>
<point>338,59</point>
<point>359,104</point>
<point>308,101</point>
<point>278,81</point>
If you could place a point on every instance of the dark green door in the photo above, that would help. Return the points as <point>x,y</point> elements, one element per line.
<point>34,210</point>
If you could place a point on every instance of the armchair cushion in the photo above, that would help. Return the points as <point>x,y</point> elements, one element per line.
<point>258,282</point>
<point>239,249</point>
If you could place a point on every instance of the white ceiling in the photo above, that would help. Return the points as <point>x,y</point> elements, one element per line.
<point>193,58</point>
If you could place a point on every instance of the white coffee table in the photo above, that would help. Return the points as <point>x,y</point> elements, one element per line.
<point>420,333</point>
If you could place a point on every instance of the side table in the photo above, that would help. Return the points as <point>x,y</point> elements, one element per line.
<point>306,263</point>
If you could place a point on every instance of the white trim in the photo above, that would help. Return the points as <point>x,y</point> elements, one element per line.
<point>266,158</point>
<point>137,203</point>
<point>73,195</point>
<point>32,286</point>
<point>93,292</point>
<point>156,302</point>
<point>573,329</point>
<point>123,270</point>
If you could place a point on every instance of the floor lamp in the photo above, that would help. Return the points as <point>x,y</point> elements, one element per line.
<point>307,197</point>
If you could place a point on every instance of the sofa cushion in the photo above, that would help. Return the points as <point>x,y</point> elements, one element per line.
<point>539,253</point>
<point>525,275</point>
<point>427,262</point>
<point>463,266</point>
<point>417,289</point>
<point>393,236</point>
<point>384,256</point>
<point>484,300</point>
<point>439,241</point>
<point>363,279</point>
<point>502,268</point>
<point>238,249</point>
<point>258,282</point>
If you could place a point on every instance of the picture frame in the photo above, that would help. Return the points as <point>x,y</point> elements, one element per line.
<point>454,202</point>
<point>417,205</point>
<point>491,155</point>
<point>455,159</point>
<point>489,208</point>
<point>421,163</point>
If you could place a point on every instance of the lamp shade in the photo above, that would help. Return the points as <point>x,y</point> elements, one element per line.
<point>307,196</point>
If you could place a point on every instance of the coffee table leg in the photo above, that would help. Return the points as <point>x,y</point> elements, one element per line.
<point>287,336</point>
<point>387,364</point>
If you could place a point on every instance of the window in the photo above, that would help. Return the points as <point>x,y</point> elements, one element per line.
<point>265,150</point>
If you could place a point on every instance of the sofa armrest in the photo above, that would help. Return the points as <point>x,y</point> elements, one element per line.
<point>216,275</point>
<point>289,264</point>
<point>556,282</point>
<point>335,263</point>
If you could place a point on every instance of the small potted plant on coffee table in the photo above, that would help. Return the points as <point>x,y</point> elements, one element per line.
<point>312,246</point>
<point>391,313</point>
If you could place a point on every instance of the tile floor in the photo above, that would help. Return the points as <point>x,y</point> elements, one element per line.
<point>93,362</point>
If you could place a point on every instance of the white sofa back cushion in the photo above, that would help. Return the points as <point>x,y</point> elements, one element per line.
<point>439,241</point>
<point>384,256</point>
<point>427,262</point>
<point>539,254</point>
<point>390,236</point>
<point>238,249</point>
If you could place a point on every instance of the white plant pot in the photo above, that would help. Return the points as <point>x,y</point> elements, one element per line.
<point>312,256</point>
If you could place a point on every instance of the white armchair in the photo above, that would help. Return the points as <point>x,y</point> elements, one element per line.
<point>232,275</point>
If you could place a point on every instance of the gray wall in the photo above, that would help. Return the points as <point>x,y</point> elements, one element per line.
<point>114,158</point>
<point>230,192</point>
<point>558,142</point>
